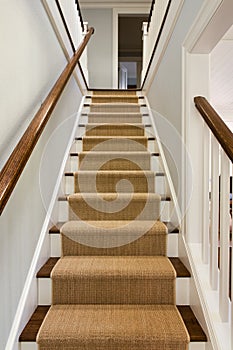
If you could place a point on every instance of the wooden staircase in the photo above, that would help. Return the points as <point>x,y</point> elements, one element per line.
<point>99,128</point>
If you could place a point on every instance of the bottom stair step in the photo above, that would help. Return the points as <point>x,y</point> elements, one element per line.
<point>90,319</point>
<point>113,327</point>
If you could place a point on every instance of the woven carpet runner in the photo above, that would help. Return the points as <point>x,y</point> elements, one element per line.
<point>114,287</point>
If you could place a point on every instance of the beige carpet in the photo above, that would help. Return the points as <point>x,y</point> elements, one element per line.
<point>114,93</point>
<point>114,287</point>
<point>110,143</point>
<point>114,99</point>
<point>113,327</point>
<point>115,180</point>
<point>115,107</point>
<point>114,160</point>
<point>145,238</point>
<point>115,130</point>
<point>114,280</point>
<point>114,117</point>
<point>114,206</point>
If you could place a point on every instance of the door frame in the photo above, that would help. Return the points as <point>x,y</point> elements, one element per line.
<point>116,12</point>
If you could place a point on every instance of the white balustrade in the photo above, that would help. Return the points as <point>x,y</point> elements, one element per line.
<point>216,215</point>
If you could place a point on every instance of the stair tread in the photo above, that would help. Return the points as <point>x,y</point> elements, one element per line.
<point>105,267</point>
<point>114,104</point>
<point>110,326</point>
<point>117,172</point>
<point>93,125</point>
<point>195,331</point>
<point>56,228</point>
<point>114,137</point>
<point>114,114</point>
<point>115,153</point>
<point>181,270</point>
<point>110,137</point>
<point>113,95</point>
<point>163,197</point>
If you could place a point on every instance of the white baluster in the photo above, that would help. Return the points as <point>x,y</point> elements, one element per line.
<point>224,237</point>
<point>145,58</point>
<point>205,193</point>
<point>231,272</point>
<point>214,213</point>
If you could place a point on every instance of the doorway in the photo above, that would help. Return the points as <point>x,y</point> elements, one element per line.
<point>130,50</point>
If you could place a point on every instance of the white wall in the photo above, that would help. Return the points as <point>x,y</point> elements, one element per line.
<point>31,61</point>
<point>165,93</point>
<point>221,78</point>
<point>99,50</point>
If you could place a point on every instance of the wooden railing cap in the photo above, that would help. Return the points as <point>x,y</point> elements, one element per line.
<point>216,124</point>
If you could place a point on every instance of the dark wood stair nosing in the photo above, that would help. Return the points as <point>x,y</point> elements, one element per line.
<point>195,331</point>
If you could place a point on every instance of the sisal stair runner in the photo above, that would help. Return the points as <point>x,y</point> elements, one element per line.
<point>114,287</point>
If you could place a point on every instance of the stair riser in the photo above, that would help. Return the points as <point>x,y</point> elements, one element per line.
<point>158,185</point>
<point>45,291</point>
<point>73,164</point>
<point>130,120</point>
<point>114,131</point>
<point>121,146</point>
<point>137,291</point>
<point>101,99</point>
<point>97,208</point>
<point>166,208</point>
<point>55,245</point>
<point>34,346</point>
<point>148,131</point>
<point>111,108</point>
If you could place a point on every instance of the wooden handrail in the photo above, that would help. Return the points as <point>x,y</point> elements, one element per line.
<point>220,130</point>
<point>15,164</point>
